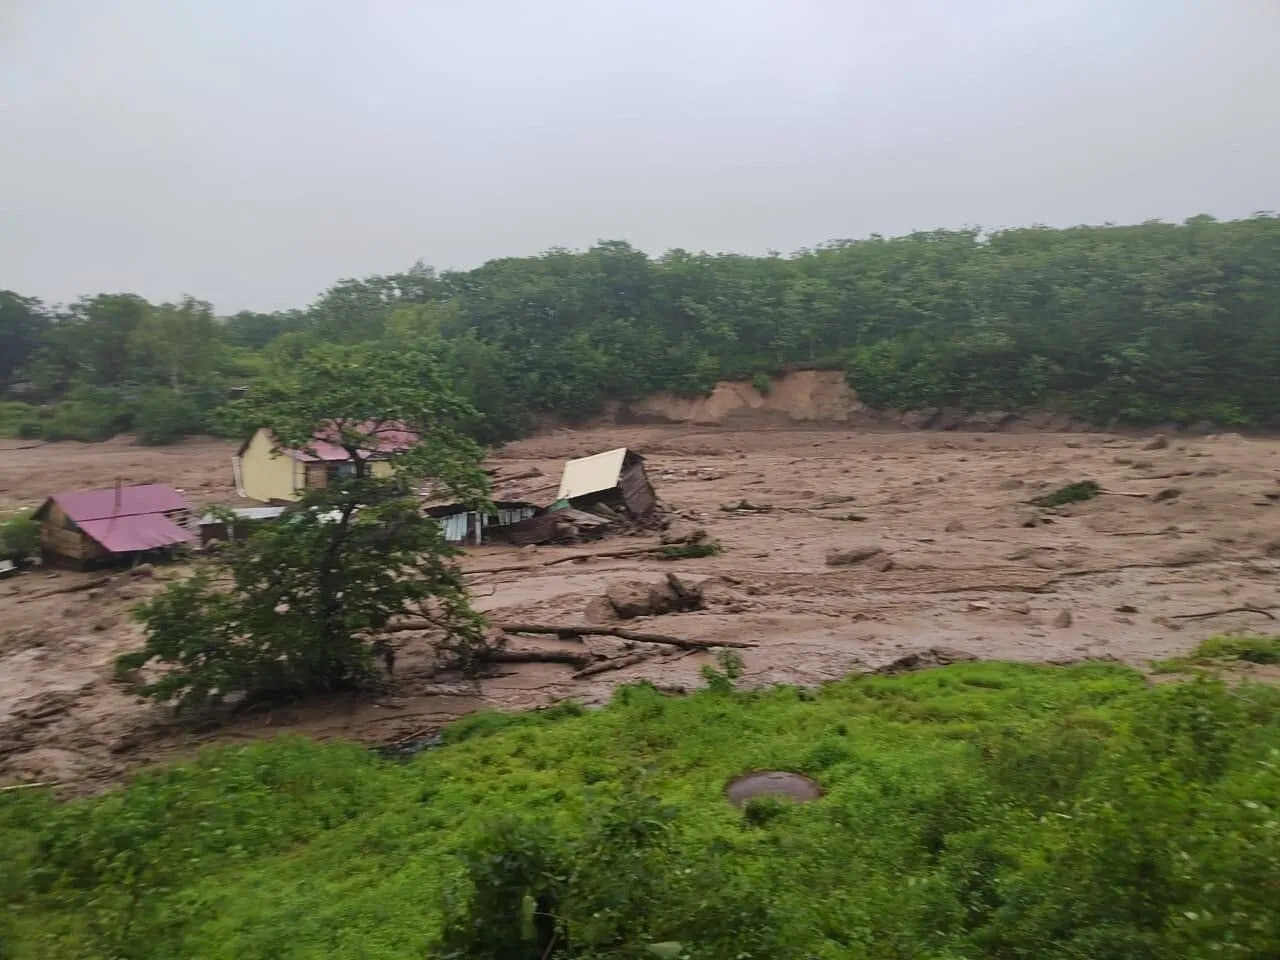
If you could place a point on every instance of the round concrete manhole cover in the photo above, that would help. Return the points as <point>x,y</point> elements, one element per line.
<point>771,783</point>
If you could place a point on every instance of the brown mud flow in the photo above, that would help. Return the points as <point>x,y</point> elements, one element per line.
<point>936,541</point>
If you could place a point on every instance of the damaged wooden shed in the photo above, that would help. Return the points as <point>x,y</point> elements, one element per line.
<point>516,499</point>
<point>616,479</point>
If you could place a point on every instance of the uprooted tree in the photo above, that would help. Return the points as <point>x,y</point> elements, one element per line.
<point>309,594</point>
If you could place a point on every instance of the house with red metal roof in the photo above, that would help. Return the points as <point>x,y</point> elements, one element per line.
<point>87,527</point>
<point>267,471</point>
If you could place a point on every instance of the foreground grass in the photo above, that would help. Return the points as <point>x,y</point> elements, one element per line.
<point>981,810</point>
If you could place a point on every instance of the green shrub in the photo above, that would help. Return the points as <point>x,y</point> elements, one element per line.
<point>1071,493</point>
<point>1222,650</point>
<point>763,383</point>
<point>19,537</point>
<point>166,416</point>
<point>691,551</point>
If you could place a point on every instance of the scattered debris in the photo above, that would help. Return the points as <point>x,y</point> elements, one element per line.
<point>1126,608</point>
<point>73,588</point>
<point>746,506</point>
<point>615,663</point>
<point>1158,442</point>
<point>586,630</point>
<point>1168,493</point>
<point>1218,613</point>
<point>1034,520</point>
<point>954,526</point>
<point>921,659</point>
<point>837,557</point>
<point>630,598</point>
<point>683,533</point>
<point>1063,619</point>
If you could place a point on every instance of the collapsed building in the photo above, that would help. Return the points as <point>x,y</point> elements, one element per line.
<point>595,494</point>
<point>615,480</point>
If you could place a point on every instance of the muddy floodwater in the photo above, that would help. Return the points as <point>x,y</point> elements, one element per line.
<point>951,555</point>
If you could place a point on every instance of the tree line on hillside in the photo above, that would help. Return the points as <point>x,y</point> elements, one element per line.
<point>1133,324</point>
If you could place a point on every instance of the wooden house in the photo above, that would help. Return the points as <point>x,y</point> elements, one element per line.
<point>616,479</point>
<point>266,471</point>
<point>91,527</point>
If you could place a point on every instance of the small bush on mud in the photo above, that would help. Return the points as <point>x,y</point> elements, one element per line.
<point>727,671</point>
<point>1218,650</point>
<point>1071,493</point>
<point>691,551</point>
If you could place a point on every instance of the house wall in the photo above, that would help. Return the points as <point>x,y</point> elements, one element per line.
<point>61,538</point>
<point>637,492</point>
<point>461,527</point>
<point>266,476</point>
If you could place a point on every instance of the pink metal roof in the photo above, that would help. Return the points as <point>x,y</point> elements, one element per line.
<point>392,438</point>
<point>148,531</point>
<point>82,505</point>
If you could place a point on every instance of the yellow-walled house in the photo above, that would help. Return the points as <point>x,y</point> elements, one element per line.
<point>268,472</point>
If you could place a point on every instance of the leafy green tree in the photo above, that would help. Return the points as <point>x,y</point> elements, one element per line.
<point>176,342</point>
<point>309,594</point>
<point>19,537</point>
<point>22,324</point>
<point>165,416</point>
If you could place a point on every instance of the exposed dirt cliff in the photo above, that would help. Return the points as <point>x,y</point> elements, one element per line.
<point>801,395</point>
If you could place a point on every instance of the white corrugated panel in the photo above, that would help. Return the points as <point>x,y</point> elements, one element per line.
<point>591,474</point>
<point>506,517</point>
<point>455,526</point>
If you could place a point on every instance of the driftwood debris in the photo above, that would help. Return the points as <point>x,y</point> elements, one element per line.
<point>606,555</point>
<point>74,588</point>
<point>614,663</point>
<point>1217,613</point>
<point>575,658</point>
<point>585,630</point>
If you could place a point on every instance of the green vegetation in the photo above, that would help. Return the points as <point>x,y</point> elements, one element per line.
<point>1222,651</point>
<point>19,537</point>
<point>309,595</point>
<point>691,550</point>
<point>1071,493</point>
<point>1134,324</point>
<point>980,810</point>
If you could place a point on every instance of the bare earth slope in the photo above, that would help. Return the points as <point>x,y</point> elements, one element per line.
<point>1115,576</point>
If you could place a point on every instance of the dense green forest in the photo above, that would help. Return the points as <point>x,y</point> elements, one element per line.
<point>1137,324</point>
<point>984,810</point>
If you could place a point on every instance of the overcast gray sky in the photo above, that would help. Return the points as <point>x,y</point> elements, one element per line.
<point>252,152</point>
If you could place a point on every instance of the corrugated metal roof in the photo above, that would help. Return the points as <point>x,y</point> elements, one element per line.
<point>247,513</point>
<point>148,531</point>
<point>82,505</point>
<point>591,474</point>
<point>391,438</point>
